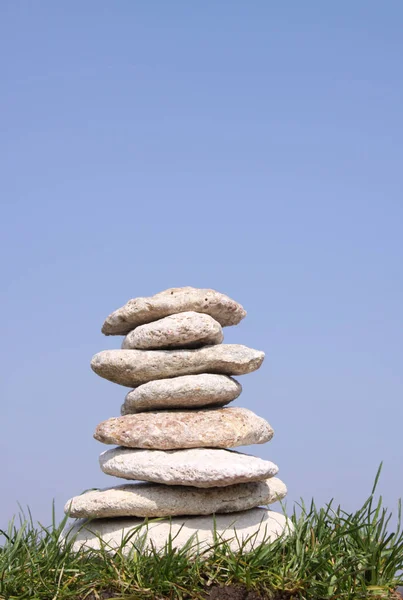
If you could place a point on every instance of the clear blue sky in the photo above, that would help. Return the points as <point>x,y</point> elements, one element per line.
<point>255,148</point>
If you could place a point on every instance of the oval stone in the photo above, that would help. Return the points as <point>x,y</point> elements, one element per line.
<point>172,301</point>
<point>135,367</point>
<point>188,391</point>
<point>241,531</point>
<point>171,429</point>
<point>156,500</point>
<point>184,330</point>
<point>198,467</point>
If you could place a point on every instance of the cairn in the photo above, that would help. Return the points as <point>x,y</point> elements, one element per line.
<point>176,433</point>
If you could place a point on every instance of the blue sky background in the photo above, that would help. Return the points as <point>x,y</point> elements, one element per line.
<point>255,148</point>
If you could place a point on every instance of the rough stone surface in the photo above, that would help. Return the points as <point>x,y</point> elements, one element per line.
<point>156,500</point>
<point>199,467</point>
<point>188,391</point>
<point>246,529</point>
<point>135,367</point>
<point>174,429</point>
<point>184,330</point>
<point>169,302</point>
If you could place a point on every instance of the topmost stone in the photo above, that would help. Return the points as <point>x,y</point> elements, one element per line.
<point>175,300</point>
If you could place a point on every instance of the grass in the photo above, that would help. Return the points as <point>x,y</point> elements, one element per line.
<point>331,554</point>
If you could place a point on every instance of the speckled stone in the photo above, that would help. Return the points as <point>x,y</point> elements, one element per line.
<point>246,530</point>
<point>135,367</point>
<point>172,301</point>
<point>199,467</point>
<point>156,500</point>
<point>184,330</point>
<point>172,429</point>
<point>188,391</point>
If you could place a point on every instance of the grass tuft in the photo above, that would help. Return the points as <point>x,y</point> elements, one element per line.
<point>330,555</point>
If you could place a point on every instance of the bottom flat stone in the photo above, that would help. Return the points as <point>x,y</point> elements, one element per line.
<point>247,529</point>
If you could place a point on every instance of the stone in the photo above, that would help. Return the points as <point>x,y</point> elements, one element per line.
<point>243,530</point>
<point>188,391</point>
<point>156,500</point>
<point>135,367</point>
<point>184,330</point>
<point>175,429</point>
<point>198,467</point>
<point>172,301</point>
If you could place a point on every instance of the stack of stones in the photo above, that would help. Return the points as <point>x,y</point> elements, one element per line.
<point>174,436</point>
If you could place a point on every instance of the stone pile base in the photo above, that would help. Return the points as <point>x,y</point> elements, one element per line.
<point>243,530</point>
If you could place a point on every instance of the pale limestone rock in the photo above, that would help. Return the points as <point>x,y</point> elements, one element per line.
<point>184,330</point>
<point>198,467</point>
<point>174,429</point>
<point>156,500</point>
<point>169,302</point>
<point>135,367</point>
<point>188,391</point>
<point>244,530</point>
